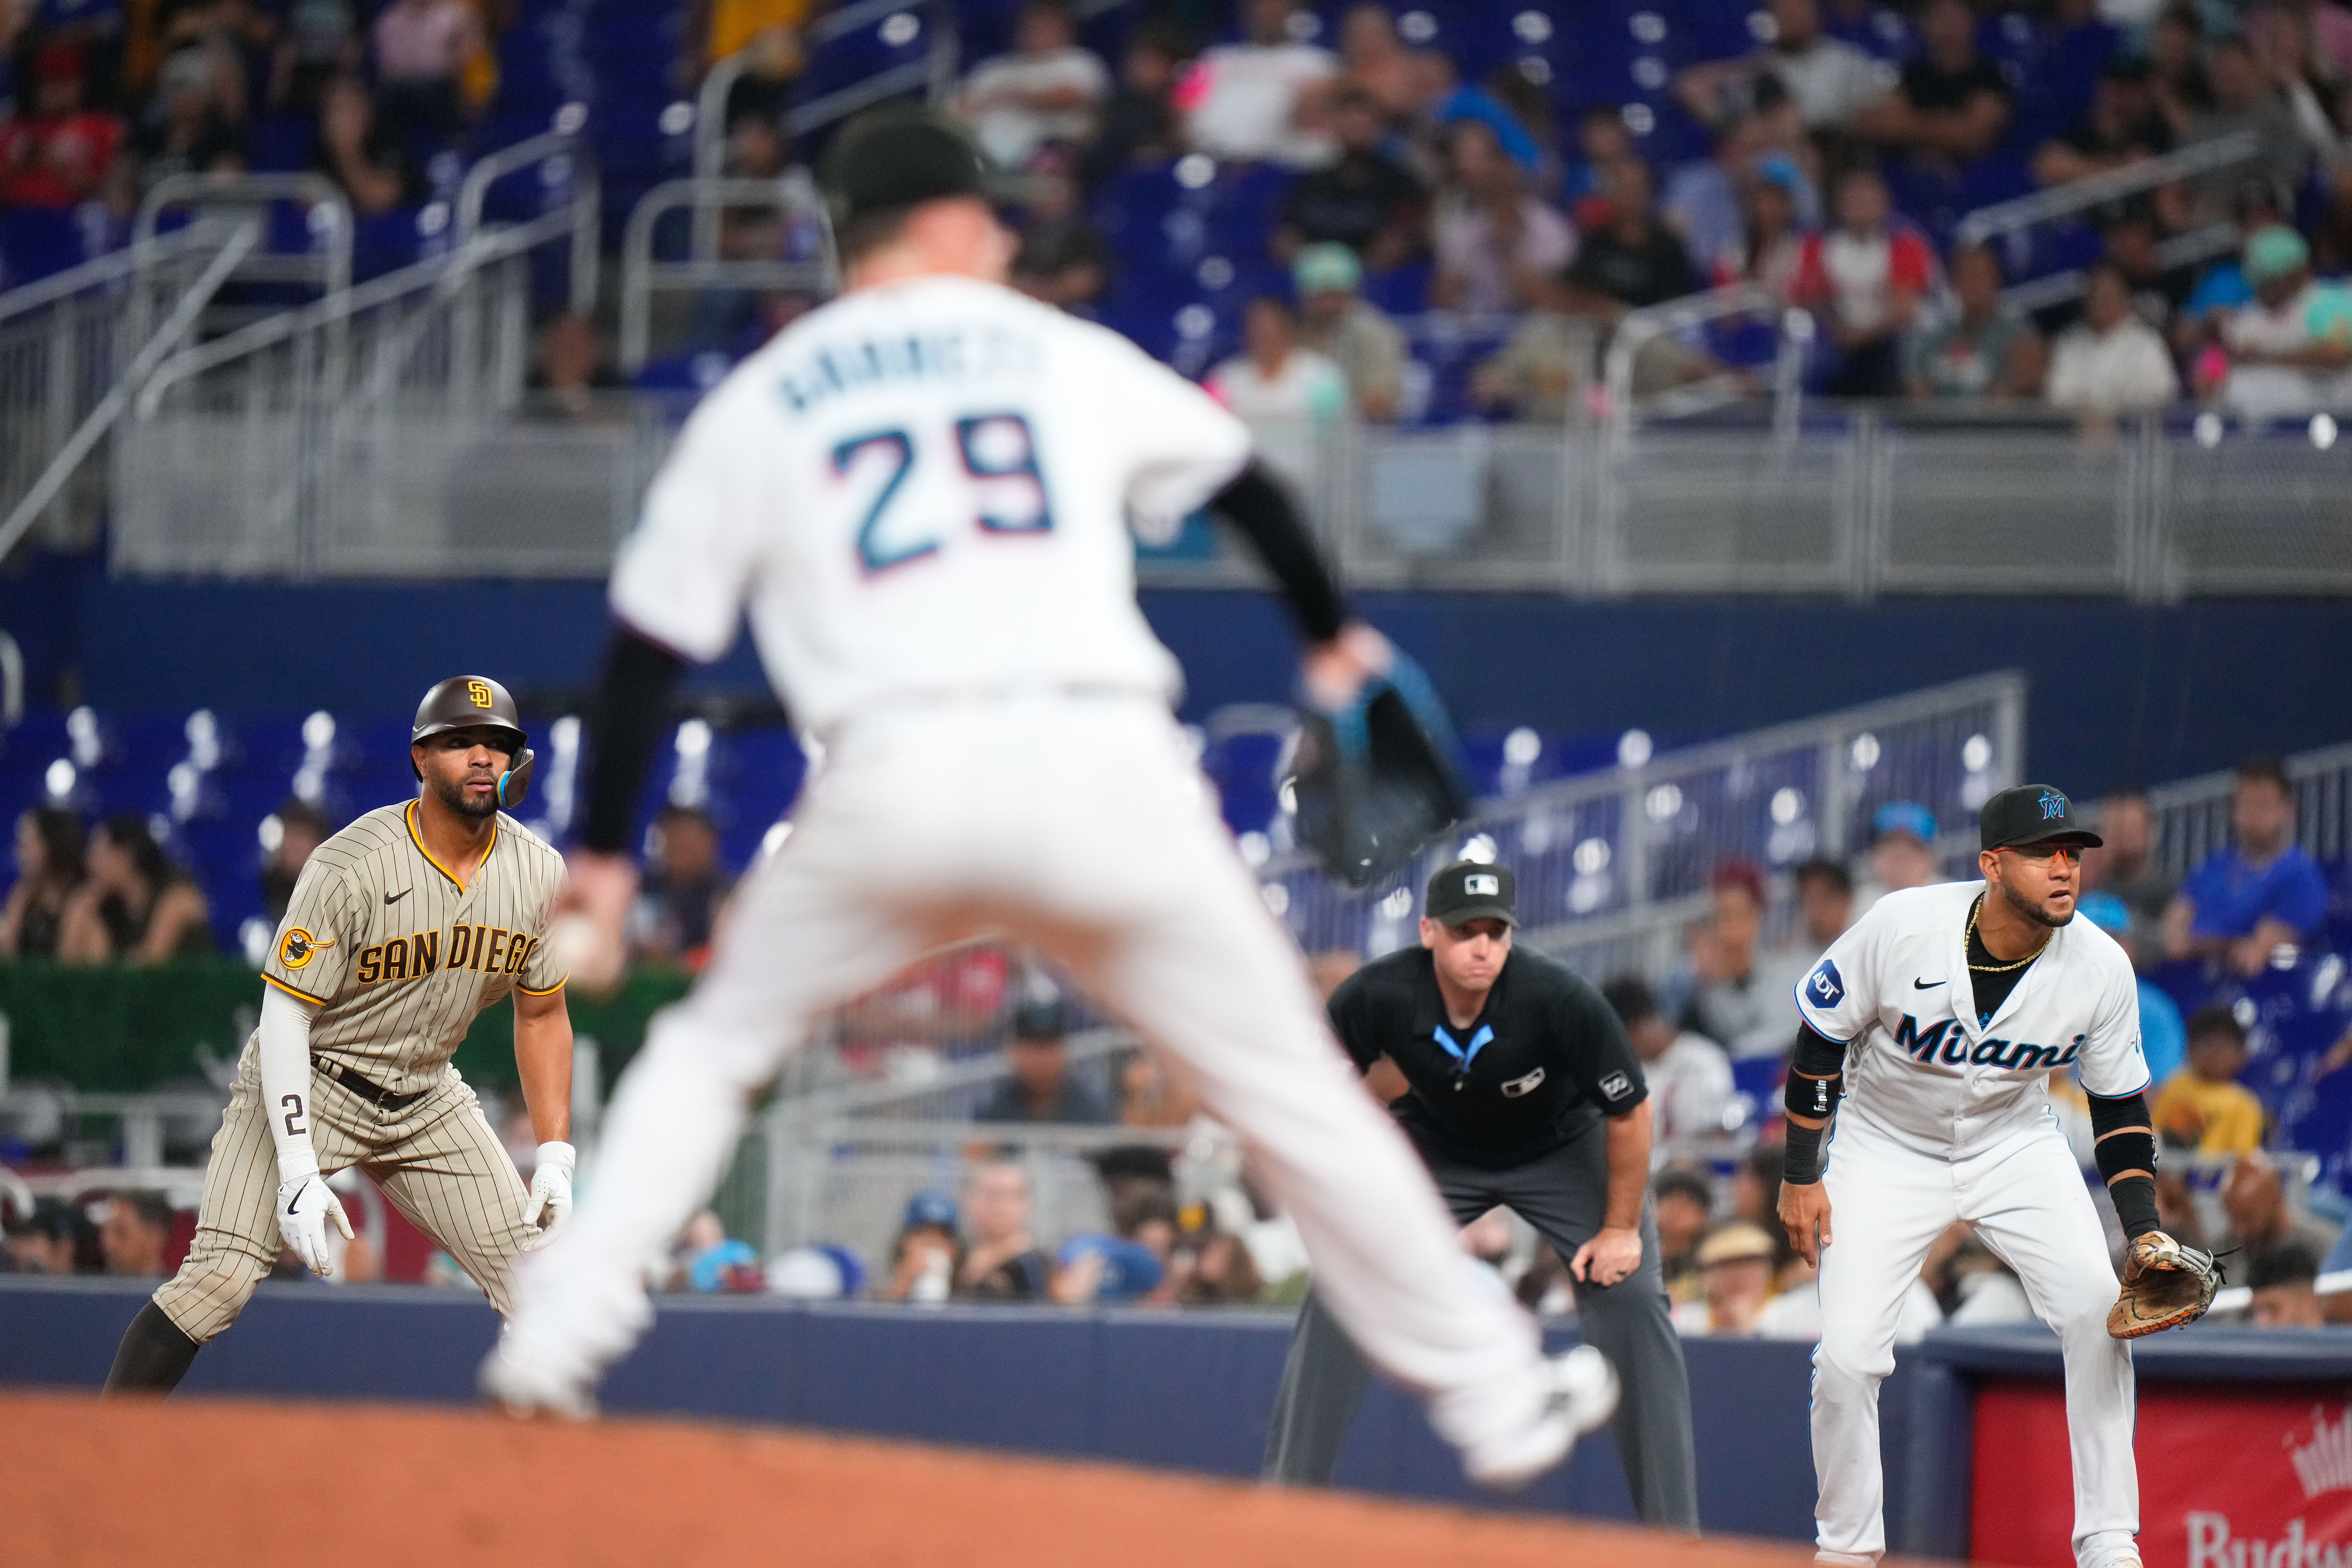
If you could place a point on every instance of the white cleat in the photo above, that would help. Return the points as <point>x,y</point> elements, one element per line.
<point>517,1386</point>
<point>1583,1395</point>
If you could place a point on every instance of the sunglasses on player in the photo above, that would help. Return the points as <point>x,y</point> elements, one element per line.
<point>2046,851</point>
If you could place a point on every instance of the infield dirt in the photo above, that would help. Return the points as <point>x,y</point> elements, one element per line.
<point>194,1483</point>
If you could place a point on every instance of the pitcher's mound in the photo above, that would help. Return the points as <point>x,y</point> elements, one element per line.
<point>189,1484</point>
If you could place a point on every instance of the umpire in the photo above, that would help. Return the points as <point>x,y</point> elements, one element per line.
<point>1524,1093</point>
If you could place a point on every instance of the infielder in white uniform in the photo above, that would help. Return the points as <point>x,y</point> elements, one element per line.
<point>921,492</point>
<point>1946,1009</point>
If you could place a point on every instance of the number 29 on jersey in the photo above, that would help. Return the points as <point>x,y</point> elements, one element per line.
<point>995,461</point>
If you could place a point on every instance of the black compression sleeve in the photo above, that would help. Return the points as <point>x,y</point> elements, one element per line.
<point>1817,1056</point>
<point>1257,505</point>
<point>2125,1151</point>
<point>631,704</point>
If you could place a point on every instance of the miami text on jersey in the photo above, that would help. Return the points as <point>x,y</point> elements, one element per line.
<point>486,949</point>
<point>1945,1042</point>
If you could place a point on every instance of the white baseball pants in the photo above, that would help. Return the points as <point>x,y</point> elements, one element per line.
<point>1082,825</point>
<point>2025,1196</point>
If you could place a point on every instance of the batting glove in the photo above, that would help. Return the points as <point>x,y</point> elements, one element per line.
<point>305,1208</point>
<point>551,1193</point>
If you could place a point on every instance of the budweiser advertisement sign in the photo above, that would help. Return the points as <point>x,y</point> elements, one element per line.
<point>2231,1476</point>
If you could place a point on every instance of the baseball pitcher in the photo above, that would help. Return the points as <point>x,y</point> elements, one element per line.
<point>920,494</point>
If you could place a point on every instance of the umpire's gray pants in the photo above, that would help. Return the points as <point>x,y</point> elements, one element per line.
<point>1563,1195</point>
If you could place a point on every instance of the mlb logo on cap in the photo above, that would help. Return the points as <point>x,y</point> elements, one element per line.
<point>1470,890</point>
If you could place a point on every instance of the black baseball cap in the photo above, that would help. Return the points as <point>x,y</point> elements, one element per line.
<point>1470,890</point>
<point>2033,813</point>
<point>899,159</point>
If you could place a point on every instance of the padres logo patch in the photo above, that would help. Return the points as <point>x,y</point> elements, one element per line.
<point>298,947</point>
<point>479,691</point>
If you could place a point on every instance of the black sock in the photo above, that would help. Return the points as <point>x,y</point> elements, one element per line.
<point>154,1356</point>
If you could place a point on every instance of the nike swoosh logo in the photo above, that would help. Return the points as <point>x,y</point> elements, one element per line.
<point>1926,984</point>
<point>395,898</point>
<point>296,1198</point>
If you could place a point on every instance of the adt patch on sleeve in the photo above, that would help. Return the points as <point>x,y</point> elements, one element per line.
<point>1825,987</point>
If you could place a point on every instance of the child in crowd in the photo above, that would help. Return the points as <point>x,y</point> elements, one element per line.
<point>2203,1106</point>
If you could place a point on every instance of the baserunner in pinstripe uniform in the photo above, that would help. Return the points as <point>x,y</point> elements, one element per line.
<point>404,927</point>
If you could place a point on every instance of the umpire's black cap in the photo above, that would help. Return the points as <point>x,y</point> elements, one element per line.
<point>470,701</point>
<point>1470,890</point>
<point>900,159</point>
<point>2031,814</point>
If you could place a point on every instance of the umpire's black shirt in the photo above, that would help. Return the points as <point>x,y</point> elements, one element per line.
<point>1546,1057</point>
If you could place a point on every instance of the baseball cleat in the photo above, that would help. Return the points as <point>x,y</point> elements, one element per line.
<point>514,1384</point>
<point>1583,1395</point>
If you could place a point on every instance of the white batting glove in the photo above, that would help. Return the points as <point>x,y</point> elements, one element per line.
<point>304,1207</point>
<point>551,1193</point>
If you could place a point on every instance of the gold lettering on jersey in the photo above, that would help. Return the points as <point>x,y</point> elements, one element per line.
<point>461,945</point>
<point>371,965</point>
<point>395,960</point>
<point>496,956</point>
<point>519,953</point>
<point>426,946</point>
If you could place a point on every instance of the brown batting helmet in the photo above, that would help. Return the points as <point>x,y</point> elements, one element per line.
<point>475,701</point>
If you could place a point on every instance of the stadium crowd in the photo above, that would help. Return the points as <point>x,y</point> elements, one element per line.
<point>1310,181</point>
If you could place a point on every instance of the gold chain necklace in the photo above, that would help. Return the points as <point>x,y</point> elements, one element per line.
<point>1974,910</point>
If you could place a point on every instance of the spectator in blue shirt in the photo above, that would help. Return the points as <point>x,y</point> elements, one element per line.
<point>2263,892</point>
<point>2163,1034</point>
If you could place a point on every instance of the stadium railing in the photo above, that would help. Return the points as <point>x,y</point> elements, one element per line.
<point>64,342</point>
<point>1612,866</point>
<point>646,277</point>
<point>2192,815</point>
<point>329,440</point>
<point>1861,502</point>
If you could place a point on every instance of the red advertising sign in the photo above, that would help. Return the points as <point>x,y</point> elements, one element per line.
<point>2231,1476</point>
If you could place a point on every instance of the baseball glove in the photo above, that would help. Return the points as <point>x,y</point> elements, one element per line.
<point>2166,1285</point>
<point>1375,781</point>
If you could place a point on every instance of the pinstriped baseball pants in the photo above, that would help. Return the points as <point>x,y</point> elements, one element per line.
<point>437,1161</point>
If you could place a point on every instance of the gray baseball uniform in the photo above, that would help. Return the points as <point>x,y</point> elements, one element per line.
<point>399,958</point>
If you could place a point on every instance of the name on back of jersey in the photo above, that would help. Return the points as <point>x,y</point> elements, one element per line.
<point>485,950</point>
<point>952,353</point>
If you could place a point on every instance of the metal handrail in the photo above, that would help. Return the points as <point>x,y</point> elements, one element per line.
<point>334,270</point>
<point>107,269</point>
<point>2006,688</point>
<point>938,67</point>
<point>1637,329</point>
<point>2211,792</point>
<point>639,270</point>
<point>585,206</point>
<point>2097,190</point>
<point>85,436</point>
<point>2181,250</point>
<point>483,250</point>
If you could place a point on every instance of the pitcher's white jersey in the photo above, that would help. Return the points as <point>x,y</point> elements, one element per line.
<point>923,488</point>
<point>1925,1071</point>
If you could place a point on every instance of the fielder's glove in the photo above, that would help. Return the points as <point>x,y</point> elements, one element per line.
<point>305,1208</point>
<point>551,1193</point>
<point>2166,1285</point>
<point>1376,780</point>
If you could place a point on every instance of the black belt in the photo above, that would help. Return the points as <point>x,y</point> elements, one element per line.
<point>375,1094</point>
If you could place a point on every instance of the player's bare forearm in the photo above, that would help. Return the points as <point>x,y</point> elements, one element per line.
<point>542,1038</point>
